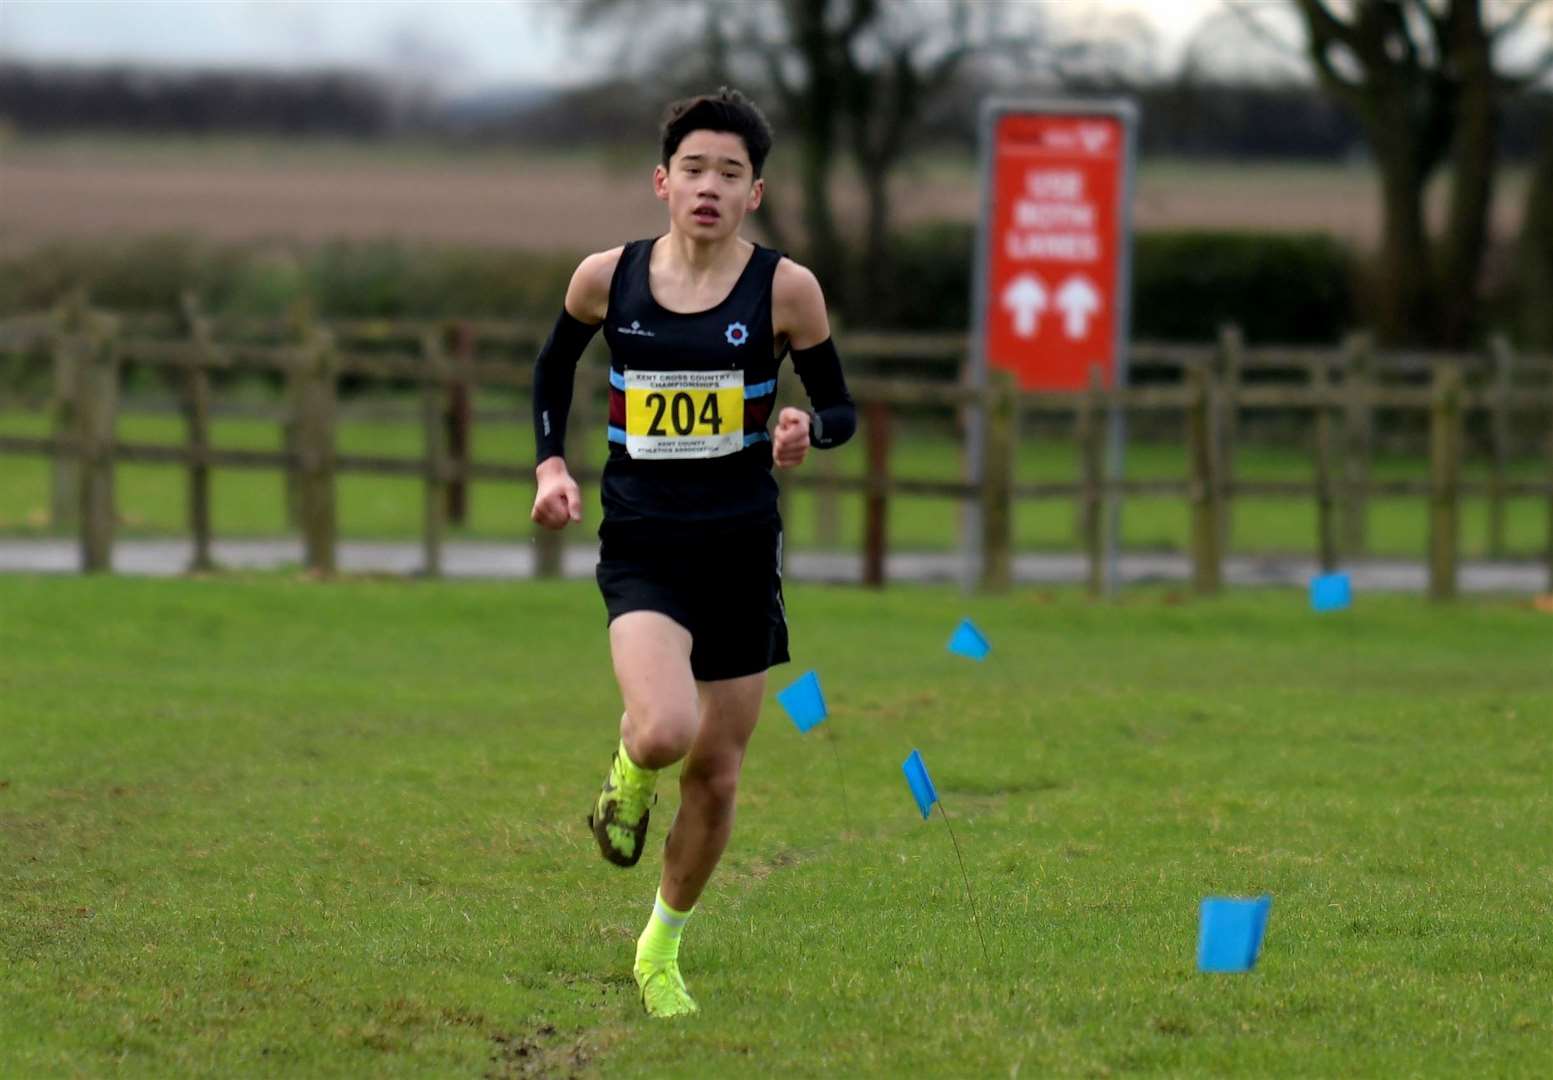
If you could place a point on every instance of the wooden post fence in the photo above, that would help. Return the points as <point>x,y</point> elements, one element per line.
<point>876,508</point>
<point>88,353</point>
<point>1500,396</point>
<point>435,433</point>
<point>1358,443</point>
<point>1090,435</point>
<point>301,324</point>
<point>315,420</point>
<point>69,347</point>
<point>997,487</point>
<point>459,416</point>
<point>1206,554</point>
<point>1231,356</point>
<point>1444,481</point>
<point>97,405</point>
<point>1548,550</point>
<point>196,417</point>
<point>1326,517</point>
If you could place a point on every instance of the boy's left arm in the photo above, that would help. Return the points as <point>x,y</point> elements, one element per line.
<point>798,309</point>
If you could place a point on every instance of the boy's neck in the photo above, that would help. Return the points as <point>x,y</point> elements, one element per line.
<point>699,257</point>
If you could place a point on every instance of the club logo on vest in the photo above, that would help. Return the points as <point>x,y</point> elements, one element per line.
<point>636,329</point>
<point>737,333</point>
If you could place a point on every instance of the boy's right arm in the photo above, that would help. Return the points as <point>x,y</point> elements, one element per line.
<point>557,502</point>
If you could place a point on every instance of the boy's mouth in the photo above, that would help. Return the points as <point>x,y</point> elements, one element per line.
<point>705,213</point>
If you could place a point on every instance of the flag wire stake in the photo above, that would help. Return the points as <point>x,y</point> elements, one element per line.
<point>846,804</point>
<point>965,877</point>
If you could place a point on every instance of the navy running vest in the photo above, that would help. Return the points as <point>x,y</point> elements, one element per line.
<point>690,396</point>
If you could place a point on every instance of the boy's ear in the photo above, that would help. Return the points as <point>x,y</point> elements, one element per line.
<point>660,182</point>
<point>757,192</point>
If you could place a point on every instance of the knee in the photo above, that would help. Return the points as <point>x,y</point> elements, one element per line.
<point>713,783</point>
<point>662,734</point>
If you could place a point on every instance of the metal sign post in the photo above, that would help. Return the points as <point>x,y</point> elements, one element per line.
<point>1053,274</point>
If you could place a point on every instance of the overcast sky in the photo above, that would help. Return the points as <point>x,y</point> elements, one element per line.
<point>468,44</point>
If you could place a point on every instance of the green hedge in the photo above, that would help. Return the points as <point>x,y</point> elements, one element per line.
<point>377,279</point>
<point>1282,287</point>
<point>1278,287</point>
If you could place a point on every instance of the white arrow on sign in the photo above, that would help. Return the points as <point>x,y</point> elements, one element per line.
<point>1026,298</point>
<point>1078,300</point>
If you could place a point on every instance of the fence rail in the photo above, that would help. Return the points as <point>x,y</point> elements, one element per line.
<point>1342,390</point>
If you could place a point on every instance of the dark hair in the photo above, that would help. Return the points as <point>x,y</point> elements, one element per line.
<point>728,111</point>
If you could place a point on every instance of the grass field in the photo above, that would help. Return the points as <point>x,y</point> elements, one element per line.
<point>264,826</point>
<point>249,503</point>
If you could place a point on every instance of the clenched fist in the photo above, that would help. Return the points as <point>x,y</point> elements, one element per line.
<point>558,502</point>
<point>791,443</point>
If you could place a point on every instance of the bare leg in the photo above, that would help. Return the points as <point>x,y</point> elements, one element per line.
<point>707,783</point>
<point>651,653</point>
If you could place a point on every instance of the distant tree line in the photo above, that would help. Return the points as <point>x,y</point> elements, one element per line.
<point>1184,117</point>
<point>47,99</point>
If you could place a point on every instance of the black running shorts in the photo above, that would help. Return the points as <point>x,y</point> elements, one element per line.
<point>723,586</point>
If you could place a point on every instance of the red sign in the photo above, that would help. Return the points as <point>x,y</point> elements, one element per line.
<point>1053,248</point>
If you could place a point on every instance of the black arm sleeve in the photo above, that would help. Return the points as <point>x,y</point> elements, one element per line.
<point>554,372</point>
<point>834,418</point>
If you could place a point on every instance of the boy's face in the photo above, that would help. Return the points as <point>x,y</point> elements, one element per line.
<point>709,185</point>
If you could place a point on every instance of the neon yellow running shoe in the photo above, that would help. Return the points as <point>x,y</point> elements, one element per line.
<point>663,990</point>
<point>619,817</point>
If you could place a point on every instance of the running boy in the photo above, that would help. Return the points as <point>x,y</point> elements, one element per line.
<point>697,322</point>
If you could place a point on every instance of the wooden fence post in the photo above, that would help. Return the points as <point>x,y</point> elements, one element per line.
<point>1444,481</point>
<point>1504,362</point>
<point>1357,442</point>
<point>1231,355</point>
<point>196,417</point>
<point>997,484</point>
<point>300,318</point>
<point>1090,432</point>
<point>434,426</point>
<point>459,417</point>
<point>1326,519</point>
<point>876,500</point>
<point>70,347</point>
<point>316,379</point>
<point>1548,552</point>
<point>1206,554</point>
<point>97,406</point>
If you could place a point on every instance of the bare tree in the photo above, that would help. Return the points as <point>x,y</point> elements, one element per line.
<point>1421,77</point>
<point>854,80</point>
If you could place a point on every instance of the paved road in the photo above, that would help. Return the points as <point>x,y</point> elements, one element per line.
<point>465,559</point>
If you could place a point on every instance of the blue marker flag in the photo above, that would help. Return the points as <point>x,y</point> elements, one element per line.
<point>922,788</point>
<point>969,641</point>
<point>1331,592</point>
<point>1231,933</point>
<point>804,702</point>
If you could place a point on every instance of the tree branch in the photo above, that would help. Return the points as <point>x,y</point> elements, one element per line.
<point>1515,19</point>
<point>1325,25</point>
<point>1327,32</point>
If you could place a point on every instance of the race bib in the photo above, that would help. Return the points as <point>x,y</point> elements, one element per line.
<point>684,414</point>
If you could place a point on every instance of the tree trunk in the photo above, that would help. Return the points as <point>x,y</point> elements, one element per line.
<point>872,276</point>
<point>1473,172</point>
<point>1537,253</point>
<point>1405,292</point>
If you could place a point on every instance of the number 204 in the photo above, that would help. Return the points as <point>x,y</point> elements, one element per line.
<point>679,409</point>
